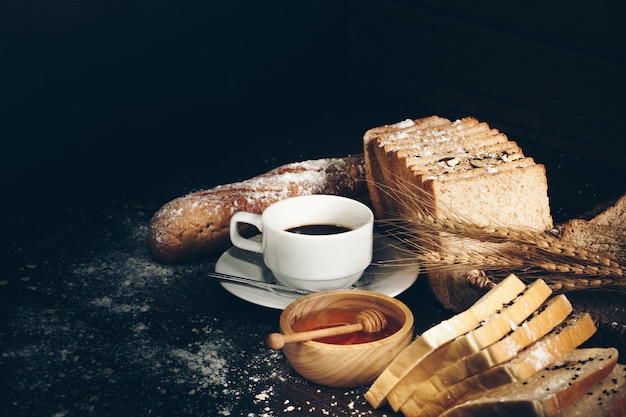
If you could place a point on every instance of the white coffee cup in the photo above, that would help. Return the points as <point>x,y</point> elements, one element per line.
<point>314,262</point>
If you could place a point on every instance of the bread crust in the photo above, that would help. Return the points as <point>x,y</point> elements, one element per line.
<point>196,225</point>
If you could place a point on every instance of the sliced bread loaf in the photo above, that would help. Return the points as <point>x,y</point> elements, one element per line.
<point>440,334</point>
<point>454,169</point>
<point>564,338</point>
<point>432,148</point>
<point>488,332</point>
<point>547,393</point>
<point>543,320</point>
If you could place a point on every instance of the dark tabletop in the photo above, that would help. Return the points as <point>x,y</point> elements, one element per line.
<point>116,110</point>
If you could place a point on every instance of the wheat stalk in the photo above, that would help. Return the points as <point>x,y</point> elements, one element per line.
<point>527,253</point>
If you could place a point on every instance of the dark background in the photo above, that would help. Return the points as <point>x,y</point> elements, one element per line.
<point>146,100</point>
<point>106,97</point>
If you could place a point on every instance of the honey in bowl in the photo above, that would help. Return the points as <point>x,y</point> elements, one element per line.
<point>332,317</point>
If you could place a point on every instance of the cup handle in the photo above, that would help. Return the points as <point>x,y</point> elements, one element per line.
<point>240,241</point>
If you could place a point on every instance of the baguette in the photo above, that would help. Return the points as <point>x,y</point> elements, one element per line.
<point>570,334</point>
<point>197,224</point>
<point>547,393</point>
<point>488,332</point>
<point>440,334</point>
<point>542,322</point>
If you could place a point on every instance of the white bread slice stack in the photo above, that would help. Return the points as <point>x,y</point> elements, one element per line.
<point>525,369</point>
<point>442,333</point>
<point>461,169</point>
<point>564,338</point>
<point>488,332</point>
<point>541,323</point>
<point>547,393</point>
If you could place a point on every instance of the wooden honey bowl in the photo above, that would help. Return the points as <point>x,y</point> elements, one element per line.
<point>357,362</point>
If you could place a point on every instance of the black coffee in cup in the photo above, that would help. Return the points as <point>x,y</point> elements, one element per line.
<point>318,229</point>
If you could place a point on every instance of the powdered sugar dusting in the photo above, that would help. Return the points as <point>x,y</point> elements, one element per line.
<point>538,356</point>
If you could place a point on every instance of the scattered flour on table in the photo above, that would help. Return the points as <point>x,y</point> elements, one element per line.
<point>207,367</point>
<point>115,286</point>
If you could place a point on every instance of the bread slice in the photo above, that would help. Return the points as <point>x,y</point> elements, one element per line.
<point>546,318</point>
<point>547,393</point>
<point>440,334</point>
<point>613,214</point>
<point>606,399</point>
<point>489,331</point>
<point>605,233</point>
<point>564,338</point>
<point>460,169</point>
<point>485,199</point>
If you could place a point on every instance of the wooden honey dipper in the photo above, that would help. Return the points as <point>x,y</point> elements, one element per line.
<point>367,321</point>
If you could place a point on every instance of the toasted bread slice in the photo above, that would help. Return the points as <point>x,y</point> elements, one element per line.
<point>538,325</point>
<point>488,332</point>
<point>547,393</point>
<point>440,334</point>
<point>564,338</point>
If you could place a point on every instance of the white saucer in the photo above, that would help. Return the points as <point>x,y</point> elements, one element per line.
<point>388,280</point>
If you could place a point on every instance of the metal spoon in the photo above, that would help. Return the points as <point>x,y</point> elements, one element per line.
<point>258,284</point>
<point>270,286</point>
